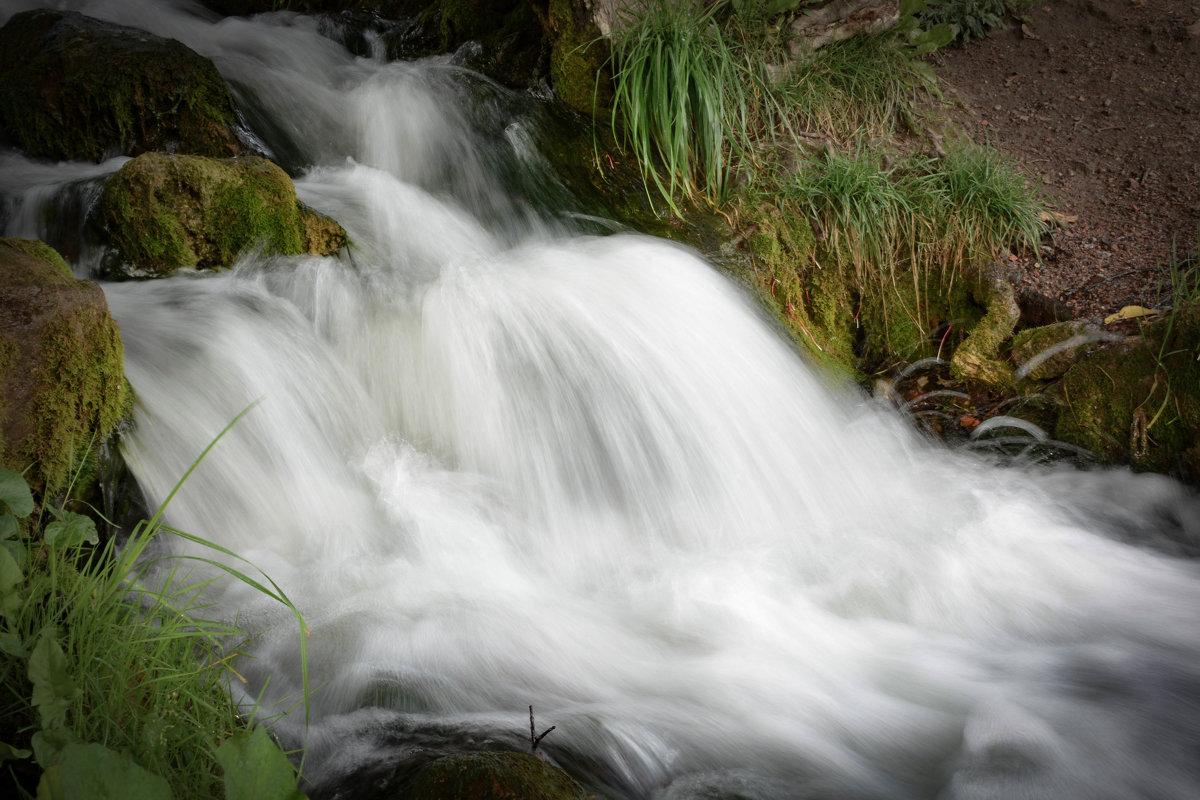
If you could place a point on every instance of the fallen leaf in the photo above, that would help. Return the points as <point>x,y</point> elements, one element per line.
<point>1056,217</point>
<point>1130,312</point>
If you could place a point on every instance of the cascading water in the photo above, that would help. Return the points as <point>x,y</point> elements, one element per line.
<point>498,463</point>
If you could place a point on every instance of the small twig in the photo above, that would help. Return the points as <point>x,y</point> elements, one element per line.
<point>534,738</point>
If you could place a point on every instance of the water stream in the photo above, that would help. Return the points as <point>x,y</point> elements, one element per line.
<point>498,462</point>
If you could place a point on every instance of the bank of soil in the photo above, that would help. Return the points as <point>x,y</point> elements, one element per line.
<point>1099,101</point>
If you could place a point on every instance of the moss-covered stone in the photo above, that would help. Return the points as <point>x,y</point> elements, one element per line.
<point>1048,351</point>
<point>579,67</point>
<point>493,776</point>
<point>74,87</point>
<point>509,31</point>
<point>61,366</point>
<point>166,212</point>
<point>979,359</point>
<point>1139,402</point>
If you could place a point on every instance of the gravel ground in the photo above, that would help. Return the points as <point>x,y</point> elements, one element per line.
<point>1099,101</point>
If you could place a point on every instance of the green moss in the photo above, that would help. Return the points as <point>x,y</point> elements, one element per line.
<point>1139,402</point>
<point>493,776</point>
<point>979,359</point>
<point>78,88</point>
<point>167,212</point>
<point>36,248</point>
<point>1032,342</point>
<point>61,364</point>
<point>808,291</point>
<point>579,57</point>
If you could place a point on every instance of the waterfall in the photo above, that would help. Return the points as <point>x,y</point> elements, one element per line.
<point>497,462</point>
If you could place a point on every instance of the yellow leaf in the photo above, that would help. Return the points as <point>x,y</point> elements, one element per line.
<point>1130,312</point>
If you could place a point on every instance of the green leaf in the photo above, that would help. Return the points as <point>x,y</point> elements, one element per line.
<point>93,771</point>
<point>11,581</point>
<point>10,645</point>
<point>53,688</point>
<point>48,745</point>
<point>14,493</point>
<point>70,529</point>
<point>10,753</point>
<point>256,769</point>
<point>9,527</point>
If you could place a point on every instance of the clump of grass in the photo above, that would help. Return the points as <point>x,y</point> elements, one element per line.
<point>988,205</point>
<point>916,219</point>
<point>687,99</point>
<point>859,88</point>
<point>856,202</point>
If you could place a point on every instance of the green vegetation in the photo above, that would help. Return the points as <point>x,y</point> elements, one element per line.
<point>973,19</point>
<point>862,225</point>
<point>688,99</point>
<point>111,675</point>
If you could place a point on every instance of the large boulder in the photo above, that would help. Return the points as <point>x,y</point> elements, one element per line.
<point>166,212</point>
<point>62,385</point>
<point>73,87</point>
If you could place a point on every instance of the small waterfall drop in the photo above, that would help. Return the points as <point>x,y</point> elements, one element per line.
<point>499,463</point>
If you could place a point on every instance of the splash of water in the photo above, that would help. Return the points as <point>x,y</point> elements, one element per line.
<point>497,464</point>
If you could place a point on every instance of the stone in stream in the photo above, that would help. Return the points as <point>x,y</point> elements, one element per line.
<point>77,88</point>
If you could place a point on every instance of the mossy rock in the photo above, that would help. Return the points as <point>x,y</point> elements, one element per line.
<point>492,776</point>
<point>166,212</point>
<point>509,32</point>
<point>61,366</point>
<point>1139,402</point>
<point>579,67</point>
<point>1046,352</point>
<point>73,87</point>
<point>979,360</point>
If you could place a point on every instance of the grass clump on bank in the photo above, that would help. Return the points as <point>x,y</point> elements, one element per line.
<point>719,108</point>
<point>111,675</point>
<point>688,99</point>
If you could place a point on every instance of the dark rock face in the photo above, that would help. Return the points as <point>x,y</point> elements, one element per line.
<point>166,212</point>
<point>62,379</point>
<point>73,87</point>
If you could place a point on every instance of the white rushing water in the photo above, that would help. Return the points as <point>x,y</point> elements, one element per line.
<point>497,463</point>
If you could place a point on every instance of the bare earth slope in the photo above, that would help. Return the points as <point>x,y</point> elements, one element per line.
<point>1100,100</point>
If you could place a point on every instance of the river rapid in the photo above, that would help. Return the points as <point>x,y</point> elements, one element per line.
<point>498,461</point>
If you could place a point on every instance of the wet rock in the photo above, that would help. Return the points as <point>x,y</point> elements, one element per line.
<point>493,776</point>
<point>578,54</point>
<point>61,365</point>
<point>1047,352</point>
<point>1037,309</point>
<point>73,87</point>
<point>164,212</point>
